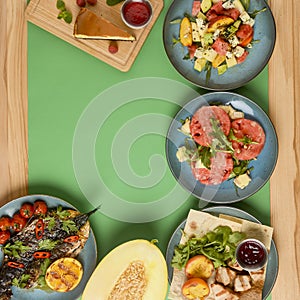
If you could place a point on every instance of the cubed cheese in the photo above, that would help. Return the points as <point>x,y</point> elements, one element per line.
<point>250,22</point>
<point>244,16</point>
<point>233,41</point>
<point>199,52</point>
<point>202,26</point>
<point>216,34</point>
<point>231,61</point>
<point>228,4</point>
<point>232,113</point>
<point>238,51</point>
<point>242,181</point>
<point>210,54</point>
<point>229,54</point>
<point>195,32</point>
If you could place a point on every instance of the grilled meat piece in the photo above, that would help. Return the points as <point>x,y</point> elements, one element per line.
<point>225,276</point>
<point>242,283</point>
<point>221,293</point>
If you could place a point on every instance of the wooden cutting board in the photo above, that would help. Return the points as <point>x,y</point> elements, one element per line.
<point>43,13</point>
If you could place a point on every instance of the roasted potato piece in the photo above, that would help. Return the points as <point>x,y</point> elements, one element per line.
<point>185,33</point>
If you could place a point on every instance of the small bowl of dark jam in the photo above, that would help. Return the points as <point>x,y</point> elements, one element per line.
<point>136,14</point>
<point>251,254</point>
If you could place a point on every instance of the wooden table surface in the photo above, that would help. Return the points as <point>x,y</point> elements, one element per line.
<point>284,110</point>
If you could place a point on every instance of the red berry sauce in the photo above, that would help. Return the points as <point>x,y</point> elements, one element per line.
<point>137,13</point>
<point>251,253</point>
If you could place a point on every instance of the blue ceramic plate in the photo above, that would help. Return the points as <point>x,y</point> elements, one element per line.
<point>272,266</point>
<point>225,192</point>
<point>259,54</point>
<point>87,257</point>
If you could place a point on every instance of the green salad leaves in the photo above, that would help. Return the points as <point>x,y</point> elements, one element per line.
<point>218,245</point>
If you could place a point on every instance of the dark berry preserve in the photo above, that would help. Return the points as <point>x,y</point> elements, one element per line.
<point>251,254</point>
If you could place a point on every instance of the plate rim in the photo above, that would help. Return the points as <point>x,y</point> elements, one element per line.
<point>232,85</point>
<point>28,198</point>
<point>245,99</point>
<point>210,210</point>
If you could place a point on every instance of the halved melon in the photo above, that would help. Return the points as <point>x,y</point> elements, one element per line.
<point>135,270</point>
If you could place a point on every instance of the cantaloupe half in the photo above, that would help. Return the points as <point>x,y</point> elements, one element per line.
<point>136,267</point>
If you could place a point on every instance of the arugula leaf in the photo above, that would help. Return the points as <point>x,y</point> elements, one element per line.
<point>220,141</point>
<point>176,21</point>
<point>245,140</point>
<point>205,156</point>
<point>218,245</point>
<point>256,12</point>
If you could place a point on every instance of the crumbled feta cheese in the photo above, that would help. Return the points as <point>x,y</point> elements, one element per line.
<point>238,51</point>
<point>199,164</point>
<point>250,22</point>
<point>216,34</point>
<point>242,181</point>
<point>229,54</point>
<point>195,32</point>
<point>185,128</point>
<point>233,41</point>
<point>201,23</point>
<point>228,4</point>
<point>181,154</point>
<point>199,52</point>
<point>232,113</point>
<point>244,16</point>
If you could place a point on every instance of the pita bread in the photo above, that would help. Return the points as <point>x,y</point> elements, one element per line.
<point>198,224</point>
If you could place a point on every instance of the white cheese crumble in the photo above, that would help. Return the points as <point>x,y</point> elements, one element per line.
<point>229,54</point>
<point>228,4</point>
<point>238,51</point>
<point>233,41</point>
<point>242,181</point>
<point>199,52</point>
<point>181,154</point>
<point>244,16</point>
<point>199,164</point>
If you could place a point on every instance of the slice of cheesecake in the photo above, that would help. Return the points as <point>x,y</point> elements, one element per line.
<point>90,26</point>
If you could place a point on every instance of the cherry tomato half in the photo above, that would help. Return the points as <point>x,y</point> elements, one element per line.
<point>18,222</point>
<point>5,223</point>
<point>4,236</point>
<point>26,210</point>
<point>40,207</point>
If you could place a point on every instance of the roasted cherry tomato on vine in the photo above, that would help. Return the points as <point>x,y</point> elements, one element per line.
<point>39,229</point>
<point>41,254</point>
<point>40,207</point>
<point>71,239</point>
<point>4,236</point>
<point>5,223</point>
<point>18,222</point>
<point>14,264</point>
<point>26,210</point>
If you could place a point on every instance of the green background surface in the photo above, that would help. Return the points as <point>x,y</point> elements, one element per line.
<point>62,81</point>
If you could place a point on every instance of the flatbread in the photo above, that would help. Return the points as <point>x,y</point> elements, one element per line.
<point>198,223</point>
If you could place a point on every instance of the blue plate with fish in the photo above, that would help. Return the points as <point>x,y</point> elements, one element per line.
<point>87,256</point>
<point>262,47</point>
<point>226,192</point>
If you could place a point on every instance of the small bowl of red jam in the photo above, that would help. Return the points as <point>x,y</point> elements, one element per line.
<point>136,14</point>
<point>251,254</point>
